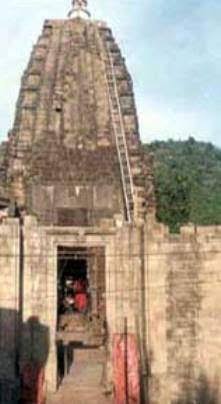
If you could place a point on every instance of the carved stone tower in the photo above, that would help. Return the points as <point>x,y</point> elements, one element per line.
<point>74,151</point>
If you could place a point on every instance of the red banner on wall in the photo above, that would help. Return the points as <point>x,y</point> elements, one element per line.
<point>126,369</point>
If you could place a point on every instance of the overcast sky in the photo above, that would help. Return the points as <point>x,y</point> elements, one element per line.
<point>172,47</point>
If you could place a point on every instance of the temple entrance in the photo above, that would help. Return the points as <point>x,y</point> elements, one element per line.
<point>81,306</point>
<point>73,282</point>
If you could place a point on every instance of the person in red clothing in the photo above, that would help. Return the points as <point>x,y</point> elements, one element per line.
<point>81,302</point>
<point>81,297</point>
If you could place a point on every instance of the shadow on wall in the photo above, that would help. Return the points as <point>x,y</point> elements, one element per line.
<point>203,393</point>
<point>23,355</point>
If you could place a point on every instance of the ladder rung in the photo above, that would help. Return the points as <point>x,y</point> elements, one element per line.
<point>116,108</point>
<point>127,186</point>
<point>130,198</point>
<point>122,150</point>
<point>119,135</point>
<point>120,138</point>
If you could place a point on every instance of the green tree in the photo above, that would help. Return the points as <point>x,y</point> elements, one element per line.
<point>187,182</point>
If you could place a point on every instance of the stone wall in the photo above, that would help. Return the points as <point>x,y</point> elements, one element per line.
<point>122,272</point>
<point>3,174</point>
<point>9,299</point>
<point>183,314</point>
<point>167,286</point>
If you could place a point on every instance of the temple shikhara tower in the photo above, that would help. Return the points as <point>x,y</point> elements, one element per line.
<point>74,151</point>
<point>91,284</point>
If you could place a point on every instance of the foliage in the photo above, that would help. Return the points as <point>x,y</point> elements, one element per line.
<point>187,182</point>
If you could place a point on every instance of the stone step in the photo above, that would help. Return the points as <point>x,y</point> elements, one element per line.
<point>84,382</point>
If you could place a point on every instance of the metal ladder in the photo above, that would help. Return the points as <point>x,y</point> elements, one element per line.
<point>120,136</point>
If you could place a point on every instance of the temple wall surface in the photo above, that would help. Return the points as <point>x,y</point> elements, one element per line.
<point>122,273</point>
<point>183,314</point>
<point>9,307</point>
<point>169,283</point>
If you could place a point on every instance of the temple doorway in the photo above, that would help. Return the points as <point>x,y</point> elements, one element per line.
<point>73,282</point>
<point>81,305</point>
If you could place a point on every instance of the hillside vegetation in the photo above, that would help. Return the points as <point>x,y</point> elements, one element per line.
<point>187,182</point>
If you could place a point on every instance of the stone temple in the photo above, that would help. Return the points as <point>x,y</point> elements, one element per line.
<point>84,266</point>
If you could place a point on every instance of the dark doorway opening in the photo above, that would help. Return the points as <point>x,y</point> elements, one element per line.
<point>81,306</point>
<point>73,285</point>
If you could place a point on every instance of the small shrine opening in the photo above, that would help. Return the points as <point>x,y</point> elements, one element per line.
<point>72,282</point>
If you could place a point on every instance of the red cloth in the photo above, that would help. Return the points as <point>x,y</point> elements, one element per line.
<point>133,379</point>
<point>33,384</point>
<point>80,301</point>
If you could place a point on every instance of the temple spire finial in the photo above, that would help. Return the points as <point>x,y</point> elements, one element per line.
<point>79,9</point>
